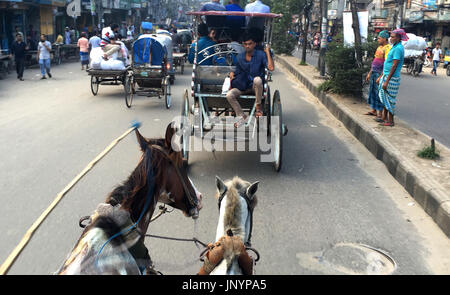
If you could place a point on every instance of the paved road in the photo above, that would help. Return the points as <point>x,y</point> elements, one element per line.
<point>423,101</point>
<point>330,190</point>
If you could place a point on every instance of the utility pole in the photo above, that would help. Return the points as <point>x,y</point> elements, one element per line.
<point>323,42</point>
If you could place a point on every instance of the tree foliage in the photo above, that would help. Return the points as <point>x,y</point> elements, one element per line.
<point>342,67</point>
<point>282,42</point>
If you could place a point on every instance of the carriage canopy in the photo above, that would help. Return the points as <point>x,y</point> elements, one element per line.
<point>148,50</point>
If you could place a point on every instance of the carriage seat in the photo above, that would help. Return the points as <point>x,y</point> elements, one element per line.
<point>211,78</point>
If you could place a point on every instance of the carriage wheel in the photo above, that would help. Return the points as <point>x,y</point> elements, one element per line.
<point>267,110</point>
<point>94,85</point>
<point>186,128</point>
<point>128,87</point>
<point>167,93</point>
<point>276,138</point>
<point>410,68</point>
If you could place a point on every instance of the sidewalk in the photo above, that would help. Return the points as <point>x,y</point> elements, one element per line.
<point>428,181</point>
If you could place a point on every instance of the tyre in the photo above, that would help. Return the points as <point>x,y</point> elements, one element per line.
<point>167,93</point>
<point>276,138</point>
<point>185,128</point>
<point>409,68</point>
<point>268,110</point>
<point>182,68</point>
<point>448,71</point>
<point>94,85</point>
<point>128,87</point>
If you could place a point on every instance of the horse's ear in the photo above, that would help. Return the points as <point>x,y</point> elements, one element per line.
<point>251,190</point>
<point>220,185</point>
<point>143,143</point>
<point>170,132</point>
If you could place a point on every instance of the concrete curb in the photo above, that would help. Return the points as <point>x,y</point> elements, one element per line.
<point>433,199</point>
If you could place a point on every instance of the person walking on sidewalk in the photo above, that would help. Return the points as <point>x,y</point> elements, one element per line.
<point>389,82</point>
<point>83,43</point>
<point>43,56</point>
<point>18,49</point>
<point>437,53</point>
<point>375,71</point>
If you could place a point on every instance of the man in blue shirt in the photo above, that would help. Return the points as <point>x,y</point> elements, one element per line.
<point>248,76</point>
<point>203,42</point>
<point>234,21</point>
<point>214,20</point>
<point>389,82</point>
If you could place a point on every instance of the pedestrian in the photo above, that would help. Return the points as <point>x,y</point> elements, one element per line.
<point>83,43</point>
<point>17,31</point>
<point>95,40</point>
<point>375,71</point>
<point>389,82</point>
<point>437,53</point>
<point>249,76</point>
<point>67,36</point>
<point>18,49</point>
<point>43,56</point>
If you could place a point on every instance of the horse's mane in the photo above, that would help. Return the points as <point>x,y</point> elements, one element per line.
<point>236,187</point>
<point>131,194</point>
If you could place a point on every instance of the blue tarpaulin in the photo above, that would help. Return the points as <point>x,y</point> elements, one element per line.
<point>144,48</point>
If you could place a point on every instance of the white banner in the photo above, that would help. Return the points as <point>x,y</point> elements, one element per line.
<point>74,8</point>
<point>349,36</point>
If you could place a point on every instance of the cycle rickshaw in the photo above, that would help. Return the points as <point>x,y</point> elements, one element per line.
<point>206,110</point>
<point>149,73</point>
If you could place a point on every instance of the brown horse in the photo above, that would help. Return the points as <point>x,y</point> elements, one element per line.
<point>113,242</point>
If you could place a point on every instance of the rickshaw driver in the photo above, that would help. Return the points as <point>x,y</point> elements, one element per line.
<point>248,76</point>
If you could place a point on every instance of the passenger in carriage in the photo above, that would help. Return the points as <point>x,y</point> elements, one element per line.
<point>249,76</point>
<point>234,22</point>
<point>204,41</point>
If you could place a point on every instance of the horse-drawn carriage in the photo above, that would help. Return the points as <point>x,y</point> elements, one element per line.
<point>148,74</point>
<point>208,111</point>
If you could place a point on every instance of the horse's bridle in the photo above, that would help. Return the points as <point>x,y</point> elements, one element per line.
<point>192,199</point>
<point>250,210</point>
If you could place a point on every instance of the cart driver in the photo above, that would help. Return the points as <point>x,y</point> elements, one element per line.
<point>249,75</point>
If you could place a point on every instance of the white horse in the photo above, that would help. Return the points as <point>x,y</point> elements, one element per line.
<point>236,199</point>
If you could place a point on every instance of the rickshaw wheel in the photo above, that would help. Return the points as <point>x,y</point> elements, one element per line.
<point>128,87</point>
<point>276,138</point>
<point>409,68</point>
<point>167,94</point>
<point>267,110</point>
<point>185,127</point>
<point>94,85</point>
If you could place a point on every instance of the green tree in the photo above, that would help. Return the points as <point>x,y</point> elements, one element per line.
<point>282,42</point>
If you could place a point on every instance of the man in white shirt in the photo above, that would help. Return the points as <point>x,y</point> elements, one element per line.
<point>43,56</point>
<point>256,6</point>
<point>437,52</point>
<point>95,40</point>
